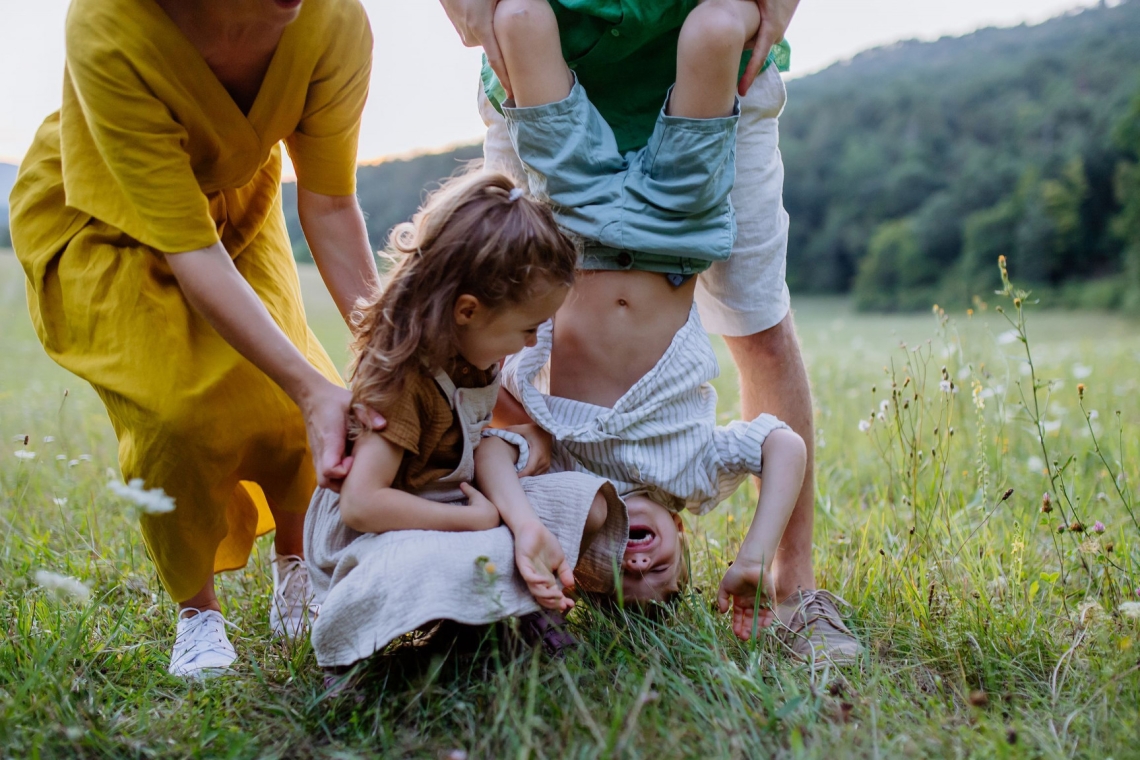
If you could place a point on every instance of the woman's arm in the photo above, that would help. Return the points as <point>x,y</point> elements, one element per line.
<point>538,555</point>
<point>750,576</point>
<point>369,504</point>
<point>217,291</point>
<point>334,228</point>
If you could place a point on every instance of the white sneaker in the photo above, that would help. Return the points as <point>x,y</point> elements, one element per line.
<point>292,608</point>
<point>201,647</point>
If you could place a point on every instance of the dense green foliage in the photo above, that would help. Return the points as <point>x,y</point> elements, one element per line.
<point>912,167</point>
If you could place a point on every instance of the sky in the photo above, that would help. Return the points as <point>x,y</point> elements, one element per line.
<point>424,81</point>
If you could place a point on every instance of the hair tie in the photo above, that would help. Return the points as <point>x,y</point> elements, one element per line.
<point>515,194</point>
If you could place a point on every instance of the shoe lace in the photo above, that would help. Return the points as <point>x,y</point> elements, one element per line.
<point>813,607</point>
<point>202,640</point>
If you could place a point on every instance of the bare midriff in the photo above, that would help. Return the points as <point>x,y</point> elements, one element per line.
<point>612,329</point>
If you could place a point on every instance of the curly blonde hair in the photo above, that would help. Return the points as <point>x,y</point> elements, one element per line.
<point>478,235</point>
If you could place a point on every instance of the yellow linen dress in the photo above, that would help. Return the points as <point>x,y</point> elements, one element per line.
<point>148,155</point>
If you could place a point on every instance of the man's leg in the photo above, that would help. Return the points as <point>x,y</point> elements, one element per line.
<point>773,380</point>
<point>746,300</point>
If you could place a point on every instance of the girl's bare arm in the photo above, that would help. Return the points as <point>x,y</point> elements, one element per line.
<point>369,504</point>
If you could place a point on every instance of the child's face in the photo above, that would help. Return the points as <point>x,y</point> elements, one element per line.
<point>487,336</point>
<point>651,568</point>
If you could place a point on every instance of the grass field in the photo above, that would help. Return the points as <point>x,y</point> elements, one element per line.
<point>988,632</point>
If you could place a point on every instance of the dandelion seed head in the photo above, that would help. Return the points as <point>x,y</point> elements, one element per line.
<point>864,426</point>
<point>63,586</point>
<point>1130,609</point>
<point>945,386</point>
<point>884,405</point>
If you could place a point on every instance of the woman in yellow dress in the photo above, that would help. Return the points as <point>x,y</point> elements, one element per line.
<point>147,217</point>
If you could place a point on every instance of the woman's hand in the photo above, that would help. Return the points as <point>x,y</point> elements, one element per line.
<point>741,590</point>
<point>775,16</point>
<point>474,20</point>
<point>542,564</point>
<point>484,514</point>
<point>325,409</point>
<point>540,443</point>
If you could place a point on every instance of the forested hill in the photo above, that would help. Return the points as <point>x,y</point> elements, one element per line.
<point>912,167</point>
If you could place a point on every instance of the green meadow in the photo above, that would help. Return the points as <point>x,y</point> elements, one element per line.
<point>997,622</point>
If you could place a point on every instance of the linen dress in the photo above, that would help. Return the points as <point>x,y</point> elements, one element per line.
<point>375,587</point>
<point>149,155</point>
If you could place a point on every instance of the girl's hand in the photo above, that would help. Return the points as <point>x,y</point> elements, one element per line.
<point>738,590</point>
<point>540,444</point>
<point>486,514</point>
<point>542,564</point>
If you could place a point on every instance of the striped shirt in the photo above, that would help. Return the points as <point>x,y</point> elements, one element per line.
<point>660,438</point>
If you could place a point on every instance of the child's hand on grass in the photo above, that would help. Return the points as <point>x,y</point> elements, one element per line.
<point>739,590</point>
<point>542,564</point>
<point>486,514</point>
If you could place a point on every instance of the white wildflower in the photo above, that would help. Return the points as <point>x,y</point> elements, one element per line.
<point>864,426</point>
<point>1130,610</point>
<point>881,417</point>
<point>49,439</point>
<point>84,457</point>
<point>1036,464</point>
<point>1094,414</point>
<point>73,462</point>
<point>65,586</point>
<point>61,457</point>
<point>1051,426</point>
<point>1007,337</point>
<point>60,501</point>
<point>884,405</point>
<point>152,502</point>
<point>1080,371</point>
<point>946,386</point>
<point>26,455</point>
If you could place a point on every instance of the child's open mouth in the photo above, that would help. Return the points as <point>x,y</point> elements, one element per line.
<point>641,538</point>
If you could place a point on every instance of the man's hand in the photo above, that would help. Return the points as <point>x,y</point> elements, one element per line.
<point>474,20</point>
<point>540,444</point>
<point>775,15</point>
<point>738,590</point>
<point>542,564</point>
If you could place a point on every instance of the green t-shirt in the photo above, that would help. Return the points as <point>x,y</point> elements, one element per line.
<point>625,55</point>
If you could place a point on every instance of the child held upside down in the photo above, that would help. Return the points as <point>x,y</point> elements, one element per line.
<point>620,375</point>
<point>410,540</point>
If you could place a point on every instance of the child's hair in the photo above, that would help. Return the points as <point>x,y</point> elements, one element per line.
<point>479,235</point>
